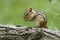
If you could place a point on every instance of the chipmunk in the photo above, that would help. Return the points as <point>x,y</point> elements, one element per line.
<point>38,16</point>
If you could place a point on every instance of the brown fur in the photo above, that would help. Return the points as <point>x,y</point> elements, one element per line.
<point>39,17</point>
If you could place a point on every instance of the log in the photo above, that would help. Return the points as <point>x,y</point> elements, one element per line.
<point>12,32</point>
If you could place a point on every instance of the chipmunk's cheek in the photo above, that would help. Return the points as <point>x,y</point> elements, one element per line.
<point>30,18</point>
<point>25,19</point>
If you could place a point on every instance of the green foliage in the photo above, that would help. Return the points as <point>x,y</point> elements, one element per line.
<point>11,11</point>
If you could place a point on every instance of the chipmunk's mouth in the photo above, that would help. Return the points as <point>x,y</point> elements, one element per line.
<point>25,19</point>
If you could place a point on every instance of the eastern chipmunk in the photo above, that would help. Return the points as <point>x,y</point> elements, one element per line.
<point>38,16</point>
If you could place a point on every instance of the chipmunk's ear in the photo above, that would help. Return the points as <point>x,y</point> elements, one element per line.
<point>30,9</point>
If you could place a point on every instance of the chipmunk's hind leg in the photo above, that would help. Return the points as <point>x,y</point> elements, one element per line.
<point>43,25</point>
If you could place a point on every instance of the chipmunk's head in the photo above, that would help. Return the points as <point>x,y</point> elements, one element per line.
<point>29,14</point>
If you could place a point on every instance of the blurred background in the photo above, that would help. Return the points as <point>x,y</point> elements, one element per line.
<point>11,11</point>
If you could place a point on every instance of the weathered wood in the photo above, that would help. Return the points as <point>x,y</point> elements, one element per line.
<point>11,32</point>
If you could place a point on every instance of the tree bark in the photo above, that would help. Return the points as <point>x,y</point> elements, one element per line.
<point>11,32</point>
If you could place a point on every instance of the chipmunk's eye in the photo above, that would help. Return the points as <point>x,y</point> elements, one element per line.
<point>27,14</point>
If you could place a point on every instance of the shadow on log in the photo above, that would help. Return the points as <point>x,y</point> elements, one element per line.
<point>11,32</point>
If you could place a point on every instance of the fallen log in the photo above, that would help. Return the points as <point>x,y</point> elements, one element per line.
<point>12,32</point>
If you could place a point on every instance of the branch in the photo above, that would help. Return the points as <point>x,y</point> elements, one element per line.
<point>11,32</point>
